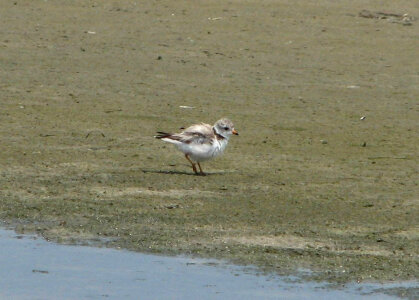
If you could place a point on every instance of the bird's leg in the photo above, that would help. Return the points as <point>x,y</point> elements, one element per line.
<point>193,165</point>
<point>200,169</point>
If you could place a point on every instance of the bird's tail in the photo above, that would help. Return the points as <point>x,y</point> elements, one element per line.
<point>162,135</point>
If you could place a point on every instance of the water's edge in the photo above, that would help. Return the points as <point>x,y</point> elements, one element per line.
<point>32,268</point>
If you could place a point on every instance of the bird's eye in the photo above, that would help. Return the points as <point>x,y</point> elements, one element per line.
<point>226,128</point>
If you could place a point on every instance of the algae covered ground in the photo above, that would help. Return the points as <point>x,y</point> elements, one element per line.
<point>324,174</point>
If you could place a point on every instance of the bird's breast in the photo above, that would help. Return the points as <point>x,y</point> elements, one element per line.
<point>219,146</point>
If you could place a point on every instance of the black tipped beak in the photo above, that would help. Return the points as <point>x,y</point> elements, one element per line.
<point>235,132</point>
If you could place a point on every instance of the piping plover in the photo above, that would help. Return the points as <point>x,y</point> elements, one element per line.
<point>201,142</point>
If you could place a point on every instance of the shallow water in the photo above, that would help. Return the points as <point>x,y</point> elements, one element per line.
<point>32,268</point>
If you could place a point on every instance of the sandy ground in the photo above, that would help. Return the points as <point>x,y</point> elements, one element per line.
<point>86,84</point>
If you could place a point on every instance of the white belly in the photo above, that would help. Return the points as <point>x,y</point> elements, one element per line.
<point>202,152</point>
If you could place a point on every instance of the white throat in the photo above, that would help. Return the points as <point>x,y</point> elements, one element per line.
<point>220,134</point>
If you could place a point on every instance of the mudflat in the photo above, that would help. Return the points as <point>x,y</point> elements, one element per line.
<point>324,174</point>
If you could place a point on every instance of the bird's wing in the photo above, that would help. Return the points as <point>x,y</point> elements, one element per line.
<point>196,134</point>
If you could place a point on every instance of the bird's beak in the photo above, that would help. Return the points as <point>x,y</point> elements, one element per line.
<point>235,132</point>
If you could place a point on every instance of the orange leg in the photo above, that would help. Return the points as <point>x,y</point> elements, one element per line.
<point>200,169</point>
<point>193,165</point>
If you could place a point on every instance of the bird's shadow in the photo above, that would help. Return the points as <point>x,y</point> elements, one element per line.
<point>174,172</point>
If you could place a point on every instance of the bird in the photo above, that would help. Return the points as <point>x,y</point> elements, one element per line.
<point>201,142</point>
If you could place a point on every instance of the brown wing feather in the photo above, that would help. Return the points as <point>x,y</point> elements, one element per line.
<point>199,134</point>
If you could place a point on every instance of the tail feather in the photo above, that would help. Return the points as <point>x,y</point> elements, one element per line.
<point>162,135</point>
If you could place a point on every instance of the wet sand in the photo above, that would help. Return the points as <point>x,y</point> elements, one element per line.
<point>35,269</point>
